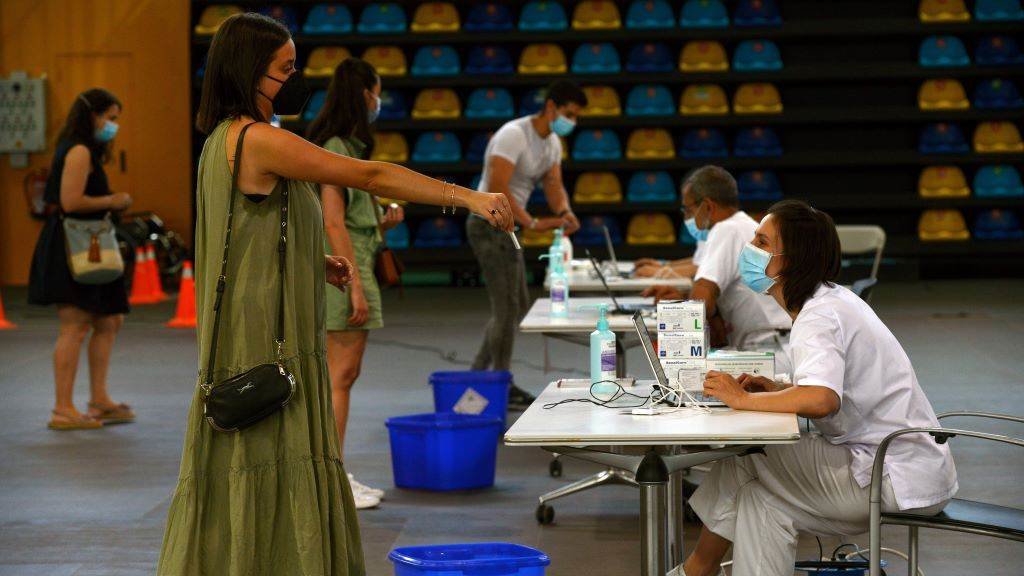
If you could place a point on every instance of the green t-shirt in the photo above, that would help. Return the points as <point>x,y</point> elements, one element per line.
<point>361,209</point>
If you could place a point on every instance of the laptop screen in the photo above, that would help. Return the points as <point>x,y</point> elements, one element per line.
<point>648,346</point>
<point>611,248</point>
<point>600,276</point>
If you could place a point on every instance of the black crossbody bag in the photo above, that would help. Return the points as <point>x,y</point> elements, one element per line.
<point>241,401</point>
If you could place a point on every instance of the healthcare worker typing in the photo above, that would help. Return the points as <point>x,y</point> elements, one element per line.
<point>852,378</point>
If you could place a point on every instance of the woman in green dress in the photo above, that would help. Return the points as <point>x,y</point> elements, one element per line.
<point>273,498</point>
<point>353,223</point>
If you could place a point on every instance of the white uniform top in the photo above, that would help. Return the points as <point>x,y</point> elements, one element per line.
<point>519,143</point>
<point>698,252</point>
<point>838,342</point>
<point>753,317</point>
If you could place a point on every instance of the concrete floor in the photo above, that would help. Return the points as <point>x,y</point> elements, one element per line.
<point>94,503</point>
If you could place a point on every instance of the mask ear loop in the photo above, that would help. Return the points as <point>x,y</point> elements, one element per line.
<point>85,101</point>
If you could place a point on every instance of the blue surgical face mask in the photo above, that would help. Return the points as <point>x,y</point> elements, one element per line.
<point>562,126</point>
<point>107,132</point>
<point>753,262</point>
<point>373,113</point>
<point>698,234</point>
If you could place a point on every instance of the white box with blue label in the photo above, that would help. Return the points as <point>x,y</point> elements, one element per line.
<point>681,316</point>
<point>685,373</point>
<point>734,362</point>
<point>681,345</point>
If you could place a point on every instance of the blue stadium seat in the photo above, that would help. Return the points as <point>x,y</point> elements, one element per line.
<point>758,142</point>
<point>756,55</point>
<point>328,19</point>
<point>597,145</point>
<point>489,60</point>
<point>598,58</point>
<point>392,105</point>
<point>316,102</point>
<point>998,181</point>
<point>942,52</point>
<point>650,15</point>
<point>942,138</point>
<point>283,14</point>
<point>998,51</point>
<point>532,102</point>
<point>478,147</point>
<point>650,57</point>
<point>759,185</point>
<point>435,61</point>
<point>543,16</point>
<point>489,17</point>
<point>537,197</point>
<point>998,10</point>
<point>435,147</point>
<point>489,103</point>
<point>997,93</point>
<point>756,13</point>
<point>649,100</point>
<point>438,232</point>
<point>997,224</point>
<point>651,187</point>
<point>382,18</point>
<point>704,14</point>
<point>398,237</point>
<point>704,143</point>
<point>591,232</point>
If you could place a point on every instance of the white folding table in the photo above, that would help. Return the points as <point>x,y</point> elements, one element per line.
<point>654,449</point>
<point>582,278</point>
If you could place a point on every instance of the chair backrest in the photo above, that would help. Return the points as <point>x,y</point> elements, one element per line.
<point>854,239</point>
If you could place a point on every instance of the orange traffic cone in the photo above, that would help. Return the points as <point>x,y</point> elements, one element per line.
<point>4,323</point>
<point>157,288</point>
<point>185,316</point>
<point>142,292</point>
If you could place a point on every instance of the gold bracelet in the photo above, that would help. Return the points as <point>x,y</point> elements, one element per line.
<point>444,188</point>
<point>453,196</point>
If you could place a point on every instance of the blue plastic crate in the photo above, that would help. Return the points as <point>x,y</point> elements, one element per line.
<point>444,451</point>
<point>492,558</point>
<point>450,387</point>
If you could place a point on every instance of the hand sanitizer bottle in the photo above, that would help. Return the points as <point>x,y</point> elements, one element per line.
<point>558,283</point>
<point>566,248</point>
<point>602,358</point>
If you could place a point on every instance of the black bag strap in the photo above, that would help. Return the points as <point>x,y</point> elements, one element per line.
<point>282,245</point>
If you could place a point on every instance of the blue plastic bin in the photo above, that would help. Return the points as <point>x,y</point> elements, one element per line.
<point>493,558</point>
<point>449,387</point>
<point>444,451</point>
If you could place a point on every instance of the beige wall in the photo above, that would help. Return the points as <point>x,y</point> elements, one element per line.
<point>139,50</point>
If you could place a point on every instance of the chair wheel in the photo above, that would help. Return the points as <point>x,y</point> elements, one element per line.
<point>555,469</point>
<point>545,514</point>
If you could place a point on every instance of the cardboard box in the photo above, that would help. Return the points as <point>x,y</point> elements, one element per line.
<point>682,345</point>
<point>681,316</point>
<point>735,363</point>
<point>686,373</point>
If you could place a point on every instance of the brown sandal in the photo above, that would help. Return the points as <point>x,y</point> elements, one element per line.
<point>68,422</point>
<point>117,414</point>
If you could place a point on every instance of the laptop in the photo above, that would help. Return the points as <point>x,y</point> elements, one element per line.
<point>616,307</point>
<point>659,372</point>
<point>611,253</point>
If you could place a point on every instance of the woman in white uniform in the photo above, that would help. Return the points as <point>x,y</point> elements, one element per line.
<point>852,378</point>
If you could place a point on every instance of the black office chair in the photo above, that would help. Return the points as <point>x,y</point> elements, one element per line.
<point>959,515</point>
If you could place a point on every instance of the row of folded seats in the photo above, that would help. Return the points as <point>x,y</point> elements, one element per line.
<point>947,51</point>
<point>949,94</point>
<point>998,137</point>
<point>956,11</point>
<point>949,224</point>
<point>992,181</point>
<point>536,16</point>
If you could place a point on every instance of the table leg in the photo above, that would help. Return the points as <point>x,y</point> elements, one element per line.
<point>652,476</point>
<point>620,357</point>
<point>676,516</point>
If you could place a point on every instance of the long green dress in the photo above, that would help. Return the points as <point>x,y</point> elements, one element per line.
<point>274,498</point>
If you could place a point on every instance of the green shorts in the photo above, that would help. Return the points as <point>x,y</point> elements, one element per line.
<point>339,304</point>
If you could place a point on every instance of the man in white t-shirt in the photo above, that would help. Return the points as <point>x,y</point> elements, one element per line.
<point>522,154</point>
<point>738,317</point>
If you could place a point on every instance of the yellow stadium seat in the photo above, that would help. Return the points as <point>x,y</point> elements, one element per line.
<point>597,188</point>
<point>997,137</point>
<point>942,225</point>
<point>942,181</point>
<point>703,100</point>
<point>596,15</point>
<point>943,11</point>
<point>537,238</point>
<point>213,16</point>
<point>650,229</point>
<point>388,60</point>
<point>650,144</point>
<point>435,17</point>
<point>757,98</point>
<point>945,94</point>
<point>323,60</point>
<point>542,59</point>
<point>434,103</point>
<point>390,147</point>
<point>601,101</point>
<point>703,56</point>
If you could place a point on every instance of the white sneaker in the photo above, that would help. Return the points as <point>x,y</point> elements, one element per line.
<point>363,488</point>
<point>364,500</point>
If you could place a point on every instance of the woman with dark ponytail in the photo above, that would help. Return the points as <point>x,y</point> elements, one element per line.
<point>353,224</point>
<point>77,188</point>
